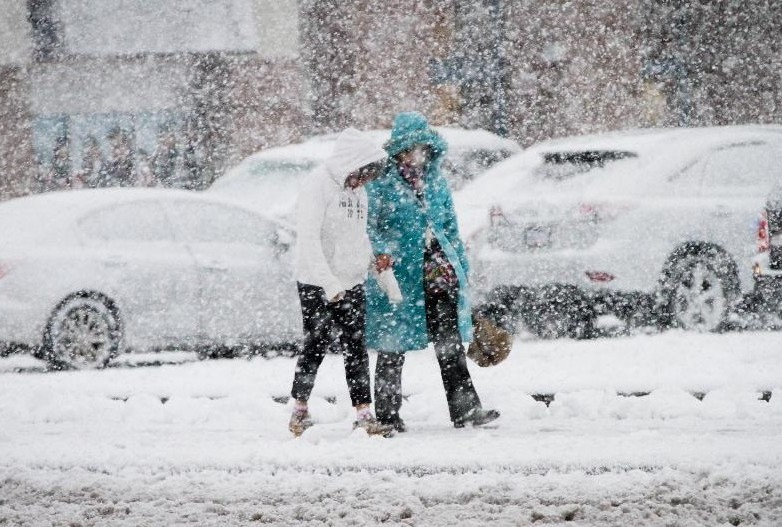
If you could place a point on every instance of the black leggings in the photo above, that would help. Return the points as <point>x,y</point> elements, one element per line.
<point>442,322</point>
<point>338,326</point>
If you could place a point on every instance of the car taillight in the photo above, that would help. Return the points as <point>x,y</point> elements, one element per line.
<point>600,276</point>
<point>4,269</point>
<point>764,239</point>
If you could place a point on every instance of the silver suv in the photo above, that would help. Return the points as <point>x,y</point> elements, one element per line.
<point>644,226</point>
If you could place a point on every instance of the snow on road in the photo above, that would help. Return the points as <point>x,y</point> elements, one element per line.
<point>625,441</point>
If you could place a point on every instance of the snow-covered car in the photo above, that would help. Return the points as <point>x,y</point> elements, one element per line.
<point>767,266</point>
<point>648,225</point>
<point>87,274</point>
<point>270,179</point>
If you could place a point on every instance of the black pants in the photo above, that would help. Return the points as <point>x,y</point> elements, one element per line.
<point>442,323</point>
<point>333,325</point>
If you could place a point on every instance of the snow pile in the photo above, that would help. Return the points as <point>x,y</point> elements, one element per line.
<point>656,430</point>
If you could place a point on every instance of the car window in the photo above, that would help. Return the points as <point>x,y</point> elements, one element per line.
<point>564,165</point>
<point>480,160</point>
<point>741,166</point>
<point>453,173</point>
<point>217,223</point>
<point>459,168</point>
<point>143,221</point>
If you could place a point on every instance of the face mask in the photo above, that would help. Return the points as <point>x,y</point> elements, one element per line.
<point>419,155</point>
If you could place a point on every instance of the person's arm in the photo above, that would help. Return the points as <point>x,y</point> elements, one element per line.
<point>311,211</point>
<point>451,228</point>
<point>376,228</point>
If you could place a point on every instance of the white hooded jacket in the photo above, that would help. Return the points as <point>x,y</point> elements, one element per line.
<point>332,247</point>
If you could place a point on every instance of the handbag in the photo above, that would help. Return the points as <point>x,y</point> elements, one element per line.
<point>490,345</point>
<point>439,275</point>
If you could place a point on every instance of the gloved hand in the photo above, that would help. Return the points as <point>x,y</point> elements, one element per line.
<point>387,282</point>
<point>383,262</point>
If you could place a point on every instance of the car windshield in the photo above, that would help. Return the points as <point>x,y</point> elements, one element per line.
<point>564,165</point>
<point>459,168</point>
<point>265,168</point>
<point>276,172</point>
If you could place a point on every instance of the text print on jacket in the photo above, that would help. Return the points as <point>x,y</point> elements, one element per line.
<point>332,246</point>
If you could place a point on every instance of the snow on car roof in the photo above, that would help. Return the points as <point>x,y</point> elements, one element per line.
<point>297,159</point>
<point>319,147</point>
<point>648,139</point>
<point>650,152</point>
<point>679,145</point>
<point>30,217</point>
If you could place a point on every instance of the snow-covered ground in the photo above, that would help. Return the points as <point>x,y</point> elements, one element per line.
<point>668,429</point>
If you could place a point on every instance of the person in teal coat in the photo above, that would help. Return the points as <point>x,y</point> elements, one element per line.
<point>412,227</point>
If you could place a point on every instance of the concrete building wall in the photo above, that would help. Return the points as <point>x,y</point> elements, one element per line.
<point>573,68</point>
<point>277,23</point>
<point>540,69</point>
<point>88,85</point>
<point>16,146</point>
<point>15,132</point>
<point>370,59</point>
<point>531,70</point>
<point>235,89</point>
<point>15,46</point>
<point>268,104</point>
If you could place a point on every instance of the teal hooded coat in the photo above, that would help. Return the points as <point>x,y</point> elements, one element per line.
<point>397,224</point>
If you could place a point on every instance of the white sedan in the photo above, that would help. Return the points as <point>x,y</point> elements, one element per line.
<point>649,225</point>
<point>87,274</point>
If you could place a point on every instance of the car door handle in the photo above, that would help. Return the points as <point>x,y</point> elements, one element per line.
<point>114,261</point>
<point>216,267</point>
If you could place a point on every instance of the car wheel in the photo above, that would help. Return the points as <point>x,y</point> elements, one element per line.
<point>560,310</point>
<point>504,306</point>
<point>83,332</point>
<point>701,292</point>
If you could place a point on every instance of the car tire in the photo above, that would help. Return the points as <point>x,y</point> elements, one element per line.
<point>700,291</point>
<point>83,332</point>
<point>504,306</point>
<point>218,351</point>
<point>560,310</point>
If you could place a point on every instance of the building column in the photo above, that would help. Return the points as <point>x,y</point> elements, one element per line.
<point>17,170</point>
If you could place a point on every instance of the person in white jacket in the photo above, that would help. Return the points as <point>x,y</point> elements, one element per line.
<point>333,255</point>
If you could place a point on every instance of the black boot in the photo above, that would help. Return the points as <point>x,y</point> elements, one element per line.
<point>399,425</point>
<point>477,417</point>
<point>388,388</point>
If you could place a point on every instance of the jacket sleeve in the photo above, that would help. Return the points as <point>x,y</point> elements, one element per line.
<point>376,230</point>
<point>311,211</point>
<point>451,228</point>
